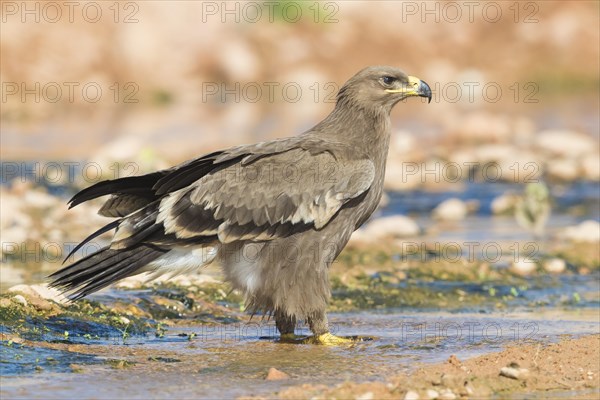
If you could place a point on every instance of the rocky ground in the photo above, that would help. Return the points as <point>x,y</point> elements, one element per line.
<point>568,368</point>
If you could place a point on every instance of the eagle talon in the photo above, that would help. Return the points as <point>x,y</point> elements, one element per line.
<point>328,339</point>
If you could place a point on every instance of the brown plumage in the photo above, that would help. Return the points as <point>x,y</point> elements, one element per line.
<point>275,214</point>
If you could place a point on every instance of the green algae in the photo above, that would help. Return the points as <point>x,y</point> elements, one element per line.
<point>81,322</point>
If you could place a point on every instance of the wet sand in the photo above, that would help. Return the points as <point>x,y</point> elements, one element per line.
<point>407,352</point>
<point>538,370</point>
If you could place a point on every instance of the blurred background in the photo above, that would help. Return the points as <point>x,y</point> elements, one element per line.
<point>96,90</point>
<point>185,78</point>
<point>490,216</point>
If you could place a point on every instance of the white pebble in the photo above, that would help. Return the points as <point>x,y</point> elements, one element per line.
<point>397,226</point>
<point>366,396</point>
<point>555,265</point>
<point>411,395</point>
<point>20,299</point>
<point>514,373</point>
<point>450,210</point>
<point>587,231</point>
<point>447,394</point>
<point>524,266</point>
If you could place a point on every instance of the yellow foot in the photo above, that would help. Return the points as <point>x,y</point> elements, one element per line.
<point>327,339</point>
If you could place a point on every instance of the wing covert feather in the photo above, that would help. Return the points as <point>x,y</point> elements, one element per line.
<point>268,195</point>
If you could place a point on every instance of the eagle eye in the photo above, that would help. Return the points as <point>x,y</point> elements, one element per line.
<point>388,80</point>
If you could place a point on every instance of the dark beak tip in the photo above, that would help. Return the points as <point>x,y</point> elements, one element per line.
<point>425,91</point>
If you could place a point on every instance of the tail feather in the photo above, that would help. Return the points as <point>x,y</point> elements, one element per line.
<point>103,268</point>
<point>92,267</point>
<point>115,273</point>
<point>94,235</point>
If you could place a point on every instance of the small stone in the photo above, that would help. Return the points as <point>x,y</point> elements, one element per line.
<point>411,395</point>
<point>432,394</point>
<point>450,210</point>
<point>32,296</point>
<point>564,169</point>
<point>555,265</point>
<point>523,267</point>
<point>469,390</point>
<point>276,375</point>
<point>39,291</point>
<point>587,231</point>
<point>514,372</point>
<point>25,289</point>
<point>366,396</point>
<point>504,204</point>
<point>20,299</point>
<point>397,226</point>
<point>447,394</point>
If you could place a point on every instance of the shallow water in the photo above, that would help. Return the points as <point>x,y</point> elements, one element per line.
<point>571,204</point>
<point>232,360</point>
<point>581,194</point>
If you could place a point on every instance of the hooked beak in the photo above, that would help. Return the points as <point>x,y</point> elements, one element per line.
<point>415,87</point>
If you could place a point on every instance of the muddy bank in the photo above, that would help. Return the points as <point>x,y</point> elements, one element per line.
<point>408,352</point>
<point>567,369</point>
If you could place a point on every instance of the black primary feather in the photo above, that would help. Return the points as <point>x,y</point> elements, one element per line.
<point>99,232</point>
<point>186,174</point>
<point>140,186</point>
<point>103,268</point>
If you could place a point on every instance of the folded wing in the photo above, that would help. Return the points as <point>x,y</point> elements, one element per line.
<point>272,196</point>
